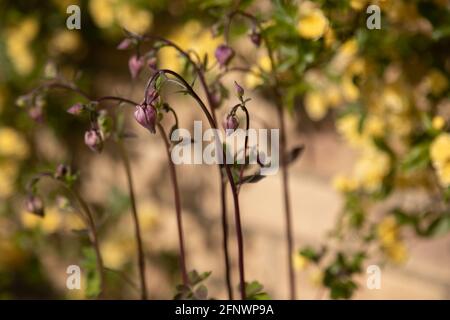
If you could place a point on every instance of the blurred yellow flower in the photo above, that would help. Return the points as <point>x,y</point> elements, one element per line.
<point>440,157</point>
<point>312,23</point>
<point>102,12</point>
<point>371,168</point>
<point>17,41</point>
<point>358,4</point>
<point>397,252</point>
<point>299,261</point>
<point>148,216</point>
<point>65,41</point>
<point>374,126</point>
<point>73,222</point>
<point>316,277</point>
<point>134,19</point>
<point>12,144</point>
<point>395,99</point>
<point>315,105</point>
<point>349,90</point>
<point>388,233</point>
<point>116,251</point>
<point>348,127</point>
<point>388,230</point>
<point>438,123</point>
<point>50,223</point>
<point>190,36</point>
<point>333,95</point>
<point>436,81</point>
<point>8,175</point>
<point>342,183</point>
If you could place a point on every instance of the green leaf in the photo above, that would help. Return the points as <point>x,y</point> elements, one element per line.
<point>93,287</point>
<point>254,291</point>
<point>417,158</point>
<point>440,226</point>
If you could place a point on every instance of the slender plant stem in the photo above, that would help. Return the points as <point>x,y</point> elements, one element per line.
<point>176,193</point>
<point>212,109</point>
<point>223,194</point>
<point>285,175</point>
<point>137,228</point>
<point>93,236</point>
<point>240,238</point>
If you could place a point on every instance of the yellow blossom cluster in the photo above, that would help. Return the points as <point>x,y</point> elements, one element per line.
<point>13,149</point>
<point>391,243</point>
<point>192,36</point>
<point>18,39</point>
<point>110,13</point>
<point>440,157</point>
<point>312,23</point>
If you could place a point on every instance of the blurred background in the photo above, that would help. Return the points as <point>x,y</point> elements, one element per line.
<point>346,86</point>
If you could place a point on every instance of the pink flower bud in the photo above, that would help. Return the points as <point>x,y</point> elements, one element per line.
<point>239,90</point>
<point>35,205</point>
<point>93,140</point>
<point>231,123</point>
<point>135,65</point>
<point>146,116</point>
<point>36,113</point>
<point>61,171</point>
<point>76,109</point>
<point>255,38</point>
<point>224,54</point>
<point>124,44</point>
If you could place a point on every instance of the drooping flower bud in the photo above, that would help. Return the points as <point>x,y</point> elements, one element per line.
<point>239,90</point>
<point>93,140</point>
<point>36,113</point>
<point>255,38</point>
<point>76,109</point>
<point>152,63</point>
<point>135,65</point>
<point>146,116</point>
<point>124,44</point>
<point>224,54</point>
<point>61,171</point>
<point>230,123</point>
<point>35,205</point>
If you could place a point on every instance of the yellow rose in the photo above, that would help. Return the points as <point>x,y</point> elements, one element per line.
<point>440,157</point>
<point>387,231</point>
<point>299,261</point>
<point>65,41</point>
<point>315,105</point>
<point>134,19</point>
<point>12,144</point>
<point>312,24</point>
<point>397,252</point>
<point>371,168</point>
<point>343,184</point>
<point>438,123</point>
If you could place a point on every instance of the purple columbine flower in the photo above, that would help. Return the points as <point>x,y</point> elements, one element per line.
<point>224,54</point>
<point>93,140</point>
<point>230,123</point>
<point>35,205</point>
<point>239,90</point>
<point>146,116</point>
<point>76,109</point>
<point>135,64</point>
